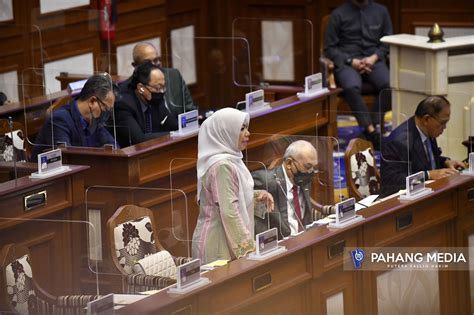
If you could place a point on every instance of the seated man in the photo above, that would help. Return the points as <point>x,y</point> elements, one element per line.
<point>177,97</point>
<point>290,186</point>
<point>352,42</point>
<point>412,147</point>
<point>81,122</point>
<point>141,113</point>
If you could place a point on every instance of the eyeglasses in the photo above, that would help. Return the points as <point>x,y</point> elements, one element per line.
<point>440,122</point>
<point>160,88</point>
<point>309,168</point>
<point>102,103</point>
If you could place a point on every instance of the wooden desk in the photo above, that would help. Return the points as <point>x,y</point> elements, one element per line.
<point>148,165</point>
<point>66,78</point>
<point>309,277</point>
<point>47,230</point>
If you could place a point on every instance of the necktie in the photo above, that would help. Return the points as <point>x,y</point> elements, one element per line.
<point>296,203</point>
<point>429,152</point>
<point>148,128</point>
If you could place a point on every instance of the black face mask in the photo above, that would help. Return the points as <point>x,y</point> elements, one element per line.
<point>156,99</point>
<point>302,179</point>
<point>98,122</point>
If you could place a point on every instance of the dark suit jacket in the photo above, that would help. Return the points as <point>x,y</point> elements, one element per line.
<point>178,98</point>
<point>68,129</point>
<point>130,119</point>
<point>403,154</point>
<point>274,182</point>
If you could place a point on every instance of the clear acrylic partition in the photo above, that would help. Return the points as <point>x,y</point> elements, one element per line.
<point>106,62</point>
<point>281,50</point>
<point>48,127</point>
<point>129,224</point>
<point>226,60</point>
<point>57,252</point>
<point>86,28</point>
<point>397,162</point>
<point>265,161</point>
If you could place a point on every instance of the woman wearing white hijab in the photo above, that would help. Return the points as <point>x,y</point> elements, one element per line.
<point>225,227</point>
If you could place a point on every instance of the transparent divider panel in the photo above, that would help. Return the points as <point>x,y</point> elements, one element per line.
<point>136,225</point>
<point>280,162</point>
<point>226,60</point>
<point>281,50</point>
<point>61,119</point>
<point>44,260</point>
<point>86,27</point>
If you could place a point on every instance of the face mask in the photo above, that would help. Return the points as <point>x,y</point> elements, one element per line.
<point>156,98</point>
<point>98,122</point>
<point>302,179</point>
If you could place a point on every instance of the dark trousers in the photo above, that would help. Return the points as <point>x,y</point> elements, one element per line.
<point>351,82</point>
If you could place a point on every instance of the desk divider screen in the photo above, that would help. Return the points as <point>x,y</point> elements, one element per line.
<point>285,61</point>
<point>144,225</point>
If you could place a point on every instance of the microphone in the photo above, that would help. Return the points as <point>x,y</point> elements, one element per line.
<point>300,223</point>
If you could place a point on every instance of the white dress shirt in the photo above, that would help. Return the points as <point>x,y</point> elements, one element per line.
<point>292,220</point>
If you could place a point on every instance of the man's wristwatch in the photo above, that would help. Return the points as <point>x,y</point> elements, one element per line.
<point>348,61</point>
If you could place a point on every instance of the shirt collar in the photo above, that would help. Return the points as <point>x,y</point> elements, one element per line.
<point>422,134</point>
<point>289,185</point>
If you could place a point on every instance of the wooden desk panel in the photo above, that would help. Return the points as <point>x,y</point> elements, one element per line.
<point>230,292</point>
<point>46,230</point>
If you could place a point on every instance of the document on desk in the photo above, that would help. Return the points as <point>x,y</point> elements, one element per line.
<point>366,202</point>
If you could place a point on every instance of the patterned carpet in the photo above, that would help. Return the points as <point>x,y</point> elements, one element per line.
<point>347,129</point>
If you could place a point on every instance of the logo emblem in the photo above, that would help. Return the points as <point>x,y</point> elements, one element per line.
<point>358,256</point>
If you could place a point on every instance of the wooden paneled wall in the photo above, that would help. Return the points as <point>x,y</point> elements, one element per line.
<point>75,31</point>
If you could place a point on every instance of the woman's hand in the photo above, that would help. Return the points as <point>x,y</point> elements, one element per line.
<point>266,198</point>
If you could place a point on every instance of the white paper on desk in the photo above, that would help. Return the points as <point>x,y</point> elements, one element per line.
<point>125,299</point>
<point>368,201</point>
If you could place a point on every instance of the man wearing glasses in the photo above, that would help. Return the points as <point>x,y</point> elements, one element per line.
<point>177,97</point>
<point>81,122</point>
<point>412,147</point>
<point>290,185</point>
<point>142,113</point>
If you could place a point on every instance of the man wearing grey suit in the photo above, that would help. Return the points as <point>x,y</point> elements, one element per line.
<point>290,186</point>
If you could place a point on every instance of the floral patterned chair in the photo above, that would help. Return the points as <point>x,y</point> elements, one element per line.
<point>132,239</point>
<point>362,175</point>
<point>20,294</point>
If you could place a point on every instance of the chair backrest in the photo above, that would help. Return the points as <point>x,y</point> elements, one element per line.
<point>60,102</point>
<point>16,280</point>
<point>18,130</point>
<point>131,236</point>
<point>362,175</point>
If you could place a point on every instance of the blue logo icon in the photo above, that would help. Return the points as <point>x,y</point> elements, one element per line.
<point>183,122</point>
<point>358,256</point>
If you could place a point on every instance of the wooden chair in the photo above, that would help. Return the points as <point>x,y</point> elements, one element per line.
<point>17,126</point>
<point>132,237</point>
<point>19,292</point>
<point>60,102</point>
<point>327,68</point>
<point>362,175</point>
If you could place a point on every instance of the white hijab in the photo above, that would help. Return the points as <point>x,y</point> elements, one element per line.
<point>218,140</point>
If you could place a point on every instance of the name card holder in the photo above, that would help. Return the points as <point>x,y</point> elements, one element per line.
<point>188,278</point>
<point>254,102</point>
<point>415,187</point>
<point>470,170</point>
<point>345,214</point>
<point>188,124</point>
<point>313,86</point>
<point>50,164</point>
<point>266,244</point>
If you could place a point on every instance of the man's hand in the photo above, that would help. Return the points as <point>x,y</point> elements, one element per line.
<point>361,66</point>
<point>440,173</point>
<point>266,198</point>
<point>371,60</point>
<point>453,164</point>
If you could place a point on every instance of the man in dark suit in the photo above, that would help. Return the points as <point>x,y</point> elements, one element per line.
<point>352,41</point>
<point>81,122</point>
<point>290,186</point>
<point>177,97</point>
<point>142,113</point>
<point>412,147</point>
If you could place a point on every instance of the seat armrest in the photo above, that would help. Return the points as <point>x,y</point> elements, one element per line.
<point>327,68</point>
